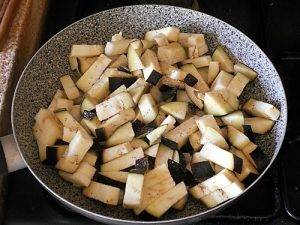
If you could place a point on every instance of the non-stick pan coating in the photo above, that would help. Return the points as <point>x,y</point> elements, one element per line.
<point>40,81</point>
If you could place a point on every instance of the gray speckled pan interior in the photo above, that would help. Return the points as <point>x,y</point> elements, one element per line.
<point>40,81</point>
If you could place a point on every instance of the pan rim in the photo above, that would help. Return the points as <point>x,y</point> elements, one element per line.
<point>195,217</point>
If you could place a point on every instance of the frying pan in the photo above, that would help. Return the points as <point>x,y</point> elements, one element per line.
<point>39,82</point>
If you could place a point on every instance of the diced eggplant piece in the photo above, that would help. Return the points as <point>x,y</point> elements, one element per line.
<point>222,157</point>
<point>237,138</point>
<point>169,82</point>
<point>259,125</point>
<point>171,33</point>
<point>108,181</point>
<point>86,50</point>
<point>202,170</point>
<point>219,196</point>
<point>119,176</point>
<point>73,62</point>
<point>147,44</point>
<point>82,176</point>
<point>180,204</point>
<point>61,103</point>
<point>123,162</point>
<point>248,169</point>
<point>261,109</point>
<point>218,181</point>
<point>92,124</point>
<point>221,56</point>
<point>177,171</point>
<point>121,61</point>
<point>137,89</point>
<point>194,95</point>
<point>256,156</point>
<point>222,81</point>
<point>159,206</point>
<point>153,77</point>
<point>53,154</point>
<point>181,133</point>
<point>111,153</point>
<point>117,47</point>
<point>123,134</point>
<point>119,90</point>
<point>250,179</point>
<point>177,74</point>
<point>235,119</point>
<point>143,165</point>
<point>195,141</point>
<point>161,40</point>
<point>213,71</point>
<point>58,94</point>
<point>46,131</point>
<point>68,134</point>
<point>141,129</point>
<point>190,80</point>
<point>218,168</point>
<point>187,159</point>
<point>167,92</point>
<point>201,61</point>
<point>207,121</point>
<point>136,143</point>
<point>67,164</point>
<point>79,145</point>
<point>171,54</point>
<point>100,90</point>
<point>116,82</point>
<point>169,143</point>
<point>176,109</point>
<point>110,125</point>
<point>184,39</point>
<point>237,84</point>
<point>163,154</point>
<point>170,122</point>
<point>156,134</point>
<point>148,108</point>
<point>196,158</point>
<point>70,89</point>
<point>201,84</point>
<point>248,72</point>
<point>90,157</point>
<point>75,112</point>
<point>214,137</point>
<point>88,104</point>
<point>215,104</point>
<point>95,190</point>
<point>85,63</point>
<point>134,59</point>
<point>133,190</point>
<point>87,80</point>
<point>182,96</point>
<point>114,105</point>
<point>149,59</point>
<point>152,150</point>
<point>156,182</point>
<point>167,68</point>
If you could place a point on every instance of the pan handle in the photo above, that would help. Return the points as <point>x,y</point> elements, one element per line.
<point>10,158</point>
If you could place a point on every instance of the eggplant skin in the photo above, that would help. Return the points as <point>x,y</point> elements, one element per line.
<point>260,158</point>
<point>176,170</point>
<point>238,164</point>
<point>105,180</point>
<point>154,77</point>
<point>250,179</point>
<point>116,82</point>
<point>140,128</point>
<point>51,156</point>
<point>190,80</point>
<point>89,114</point>
<point>167,92</point>
<point>202,170</point>
<point>248,132</point>
<point>142,165</point>
<point>171,144</point>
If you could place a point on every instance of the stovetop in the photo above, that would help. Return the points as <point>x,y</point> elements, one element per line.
<point>272,24</point>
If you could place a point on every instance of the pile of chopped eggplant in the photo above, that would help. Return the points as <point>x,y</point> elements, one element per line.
<point>150,122</point>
